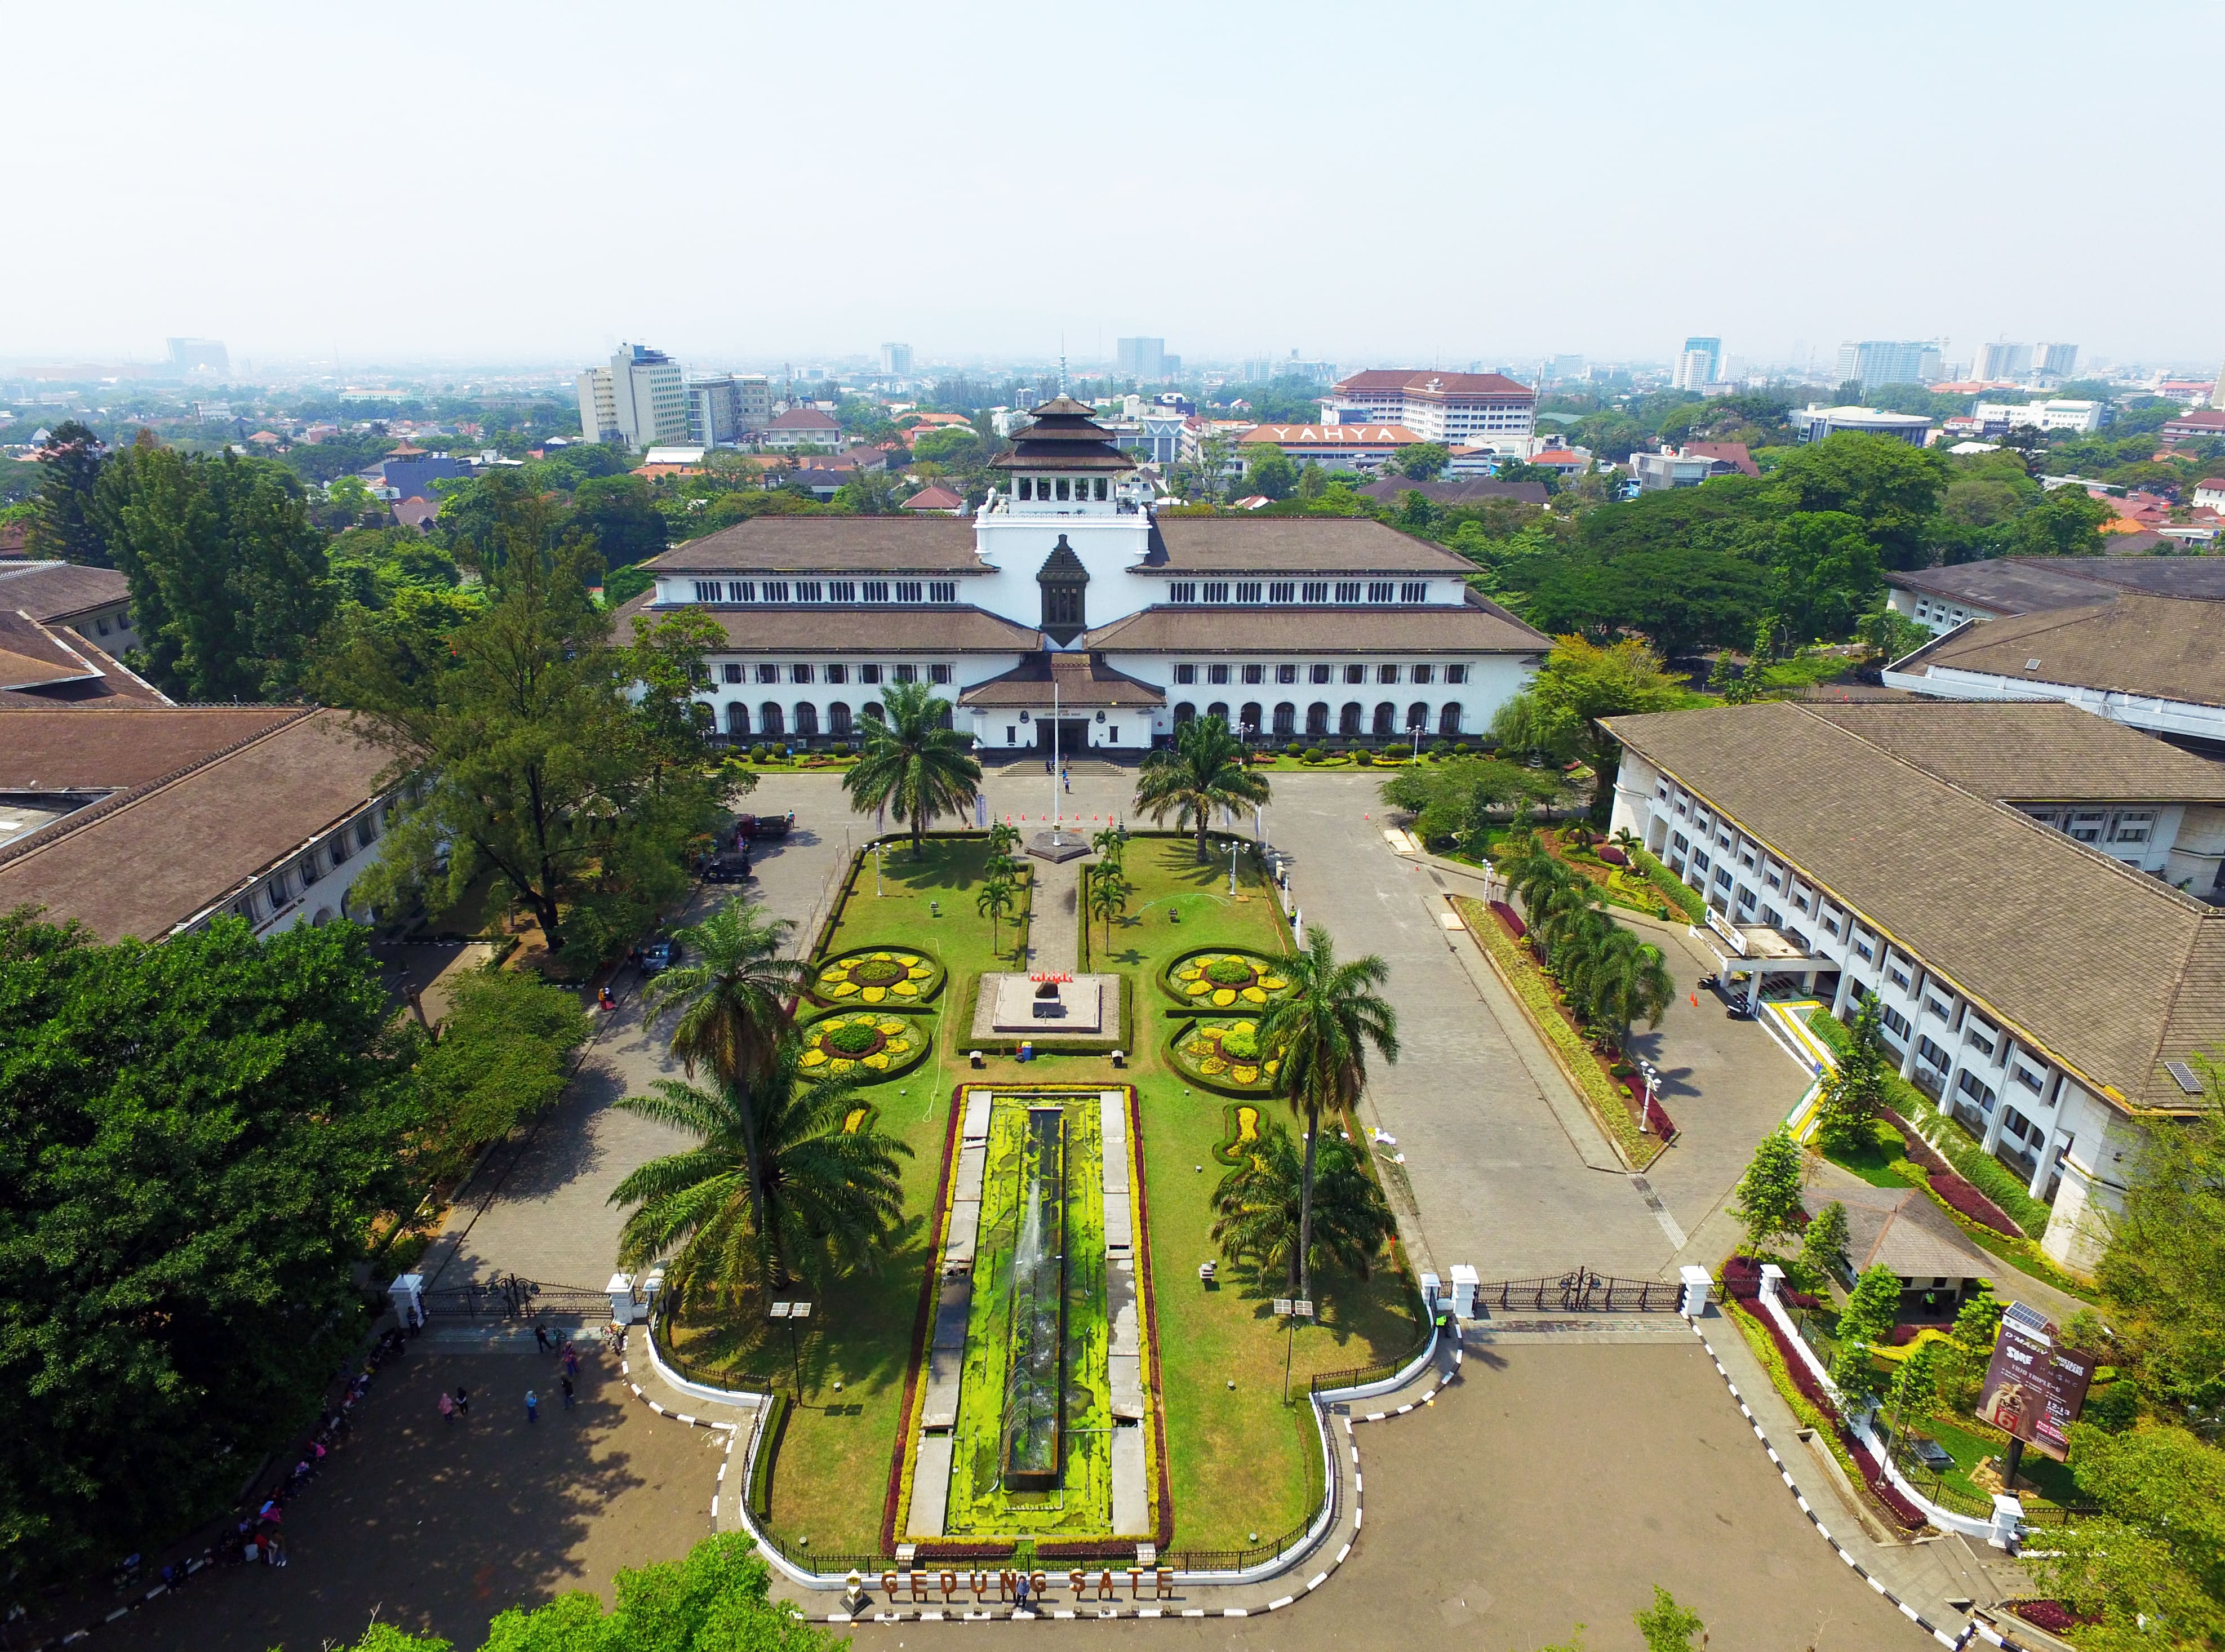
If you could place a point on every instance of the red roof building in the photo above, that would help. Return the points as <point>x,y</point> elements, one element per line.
<point>937,499</point>
<point>1451,408</point>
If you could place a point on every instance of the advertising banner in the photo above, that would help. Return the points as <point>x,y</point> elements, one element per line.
<point>2034,1387</point>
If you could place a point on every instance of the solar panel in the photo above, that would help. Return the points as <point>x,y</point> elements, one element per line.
<point>2184,1077</point>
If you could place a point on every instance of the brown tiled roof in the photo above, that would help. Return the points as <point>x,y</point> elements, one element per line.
<point>935,496</point>
<point>2032,751</point>
<point>32,656</point>
<point>805,419</point>
<point>2108,971</point>
<point>52,591</point>
<point>1431,386</point>
<point>209,797</point>
<point>2168,647</point>
<point>1731,453</point>
<point>2025,584</point>
<point>1085,682</point>
<point>778,544</point>
<point>1476,627</point>
<point>795,628</point>
<point>1182,546</point>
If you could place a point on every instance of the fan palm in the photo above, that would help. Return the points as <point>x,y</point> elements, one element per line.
<point>1204,770</point>
<point>911,763</point>
<point>807,1199</point>
<point>1261,1208</point>
<point>1619,979</point>
<point>1322,1031</point>
<point>735,1002</point>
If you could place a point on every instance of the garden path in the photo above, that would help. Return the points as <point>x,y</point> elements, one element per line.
<point>1055,926</point>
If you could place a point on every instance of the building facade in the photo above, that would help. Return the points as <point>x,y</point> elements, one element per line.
<point>2042,415</point>
<point>2006,892</point>
<point>803,428</point>
<point>1814,423</point>
<point>1455,408</point>
<point>1144,360</point>
<point>1698,364</point>
<point>648,396</point>
<point>598,408</point>
<point>1066,609</point>
<point>896,360</point>
<point>1339,447</point>
<point>714,412</point>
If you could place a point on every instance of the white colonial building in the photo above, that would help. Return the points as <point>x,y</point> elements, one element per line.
<point>2019,884</point>
<point>1066,600</point>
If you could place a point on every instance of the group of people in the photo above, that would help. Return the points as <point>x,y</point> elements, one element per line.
<point>457,1407</point>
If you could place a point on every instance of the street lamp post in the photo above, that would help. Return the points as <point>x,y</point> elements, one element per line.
<point>1291,1309</point>
<point>1652,1084</point>
<point>794,1313</point>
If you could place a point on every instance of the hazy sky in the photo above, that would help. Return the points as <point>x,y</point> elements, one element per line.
<point>1373,183</point>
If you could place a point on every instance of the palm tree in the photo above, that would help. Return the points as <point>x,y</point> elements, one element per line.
<point>1321,1030</point>
<point>809,1198</point>
<point>1110,844</point>
<point>1203,769</point>
<point>1108,896</point>
<point>1003,838</point>
<point>1619,979</point>
<point>736,1002</point>
<point>911,763</point>
<point>1261,1206</point>
<point>996,899</point>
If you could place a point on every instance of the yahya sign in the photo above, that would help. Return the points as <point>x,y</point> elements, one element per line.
<point>2034,1388</point>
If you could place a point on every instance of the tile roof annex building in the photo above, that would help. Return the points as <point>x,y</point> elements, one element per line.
<point>2018,883</point>
<point>1066,590</point>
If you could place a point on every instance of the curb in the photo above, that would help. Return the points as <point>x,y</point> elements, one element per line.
<point>1986,1633</point>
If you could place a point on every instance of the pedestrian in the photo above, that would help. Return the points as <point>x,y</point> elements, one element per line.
<point>1022,1601</point>
<point>633,955</point>
<point>532,1406</point>
<point>603,999</point>
<point>567,1383</point>
<point>571,1359</point>
<point>463,1403</point>
<point>540,1336</point>
<point>1066,775</point>
<point>262,1546</point>
<point>277,1549</point>
<point>448,1406</point>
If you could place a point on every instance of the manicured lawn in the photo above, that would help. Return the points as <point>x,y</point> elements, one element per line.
<point>1971,1442</point>
<point>1241,1460</point>
<point>1873,1161</point>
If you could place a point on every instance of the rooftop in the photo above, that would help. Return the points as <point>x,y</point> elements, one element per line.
<point>1476,627</point>
<point>1249,544</point>
<point>2029,751</point>
<point>1085,682</point>
<point>2166,647</point>
<point>1431,386</point>
<point>805,419</point>
<point>52,591</point>
<point>777,545</point>
<point>801,627</point>
<point>1995,902</point>
<point>2022,585</point>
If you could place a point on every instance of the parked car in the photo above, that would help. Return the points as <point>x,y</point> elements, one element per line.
<point>730,867</point>
<point>750,828</point>
<point>1930,1452</point>
<point>659,955</point>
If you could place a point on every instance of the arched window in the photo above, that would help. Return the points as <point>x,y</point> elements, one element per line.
<point>738,718</point>
<point>1348,720</point>
<point>1448,719</point>
<point>1317,718</point>
<point>769,720</point>
<point>1219,709</point>
<point>874,714</point>
<point>807,720</point>
<point>1286,720</point>
<point>837,720</point>
<point>1417,717</point>
<point>1249,718</point>
<point>942,714</point>
<point>1387,717</point>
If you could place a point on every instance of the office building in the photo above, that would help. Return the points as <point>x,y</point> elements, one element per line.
<point>1698,364</point>
<point>1880,361</point>
<point>716,416</point>
<point>1814,423</point>
<point>2001,362</point>
<point>1144,360</point>
<point>1067,581</point>
<point>2055,360</point>
<point>1459,409</point>
<point>598,408</point>
<point>896,361</point>
<point>1350,447</point>
<point>648,396</point>
<point>199,358</point>
<point>2000,877</point>
<point>2085,416</point>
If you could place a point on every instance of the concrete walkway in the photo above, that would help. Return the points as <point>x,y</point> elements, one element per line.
<point>1054,919</point>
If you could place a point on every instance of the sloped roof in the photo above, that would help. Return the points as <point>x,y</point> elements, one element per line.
<point>2110,972</point>
<point>51,591</point>
<point>2165,647</point>
<point>2024,585</point>
<point>2032,751</point>
<point>32,656</point>
<point>935,496</point>
<point>1269,545</point>
<point>1085,682</point>
<point>1476,627</point>
<point>805,419</point>
<point>892,633</point>
<point>1433,386</point>
<point>778,544</point>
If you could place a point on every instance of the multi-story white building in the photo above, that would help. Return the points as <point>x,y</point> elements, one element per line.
<point>598,408</point>
<point>1698,364</point>
<point>728,410</point>
<point>896,360</point>
<point>805,426</point>
<point>1890,361</point>
<point>648,396</point>
<point>1455,408</point>
<point>2044,415</point>
<point>1341,447</point>
<point>2002,878</point>
<point>1066,590</point>
<point>1814,423</point>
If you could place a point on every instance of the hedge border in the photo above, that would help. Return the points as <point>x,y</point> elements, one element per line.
<point>1264,1090</point>
<point>773,1428</point>
<point>942,980</point>
<point>1230,1149</point>
<point>1183,1002</point>
<point>926,1045</point>
<point>1681,894</point>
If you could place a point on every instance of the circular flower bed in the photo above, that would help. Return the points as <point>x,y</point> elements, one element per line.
<point>905,975</point>
<point>1224,980</point>
<point>870,1041</point>
<point>1223,1055</point>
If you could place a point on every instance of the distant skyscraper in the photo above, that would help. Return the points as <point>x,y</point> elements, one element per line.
<point>2058,361</point>
<point>1698,364</point>
<point>1883,360</point>
<point>896,360</point>
<point>205,358</point>
<point>647,396</point>
<point>1998,361</point>
<point>598,412</point>
<point>1144,360</point>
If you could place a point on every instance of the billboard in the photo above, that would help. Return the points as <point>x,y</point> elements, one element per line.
<point>2034,1388</point>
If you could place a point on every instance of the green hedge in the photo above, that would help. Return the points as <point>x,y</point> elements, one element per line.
<point>770,1428</point>
<point>1681,895</point>
<point>1971,1161</point>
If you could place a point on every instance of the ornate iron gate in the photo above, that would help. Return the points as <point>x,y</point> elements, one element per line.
<point>506,1296</point>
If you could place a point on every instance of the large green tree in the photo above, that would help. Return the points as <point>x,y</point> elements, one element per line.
<point>2162,1273</point>
<point>1891,488</point>
<point>912,762</point>
<point>228,575</point>
<point>196,1136</point>
<point>1564,710</point>
<point>1260,1208</point>
<point>66,525</point>
<point>1203,770</point>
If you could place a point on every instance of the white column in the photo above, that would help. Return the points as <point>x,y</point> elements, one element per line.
<point>1847,987</point>
<point>2053,1134</point>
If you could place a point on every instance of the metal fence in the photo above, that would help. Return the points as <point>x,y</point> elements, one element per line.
<point>1236,1560</point>
<point>1582,1291</point>
<point>509,1297</point>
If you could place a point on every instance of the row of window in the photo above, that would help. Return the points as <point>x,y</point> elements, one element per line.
<point>2129,826</point>
<point>280,888</point>
<point>1455,671</point>
<point>803,721</point>
<point>766,671</point>
<point>822,590</point>
<point>1352,721</point>
<point>1047,490</point>
<point>1301,591</point>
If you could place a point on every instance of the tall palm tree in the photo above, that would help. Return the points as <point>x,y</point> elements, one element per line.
<point>1261,1206</point>
<point>1619,979</point>
<point>808,1199</point>
<point>996,899</point>
<point>911,763</point>
<point>1108,896</point>
<point>1203,769</point>
<point>1322,1030</point>
<point>737,1000</point>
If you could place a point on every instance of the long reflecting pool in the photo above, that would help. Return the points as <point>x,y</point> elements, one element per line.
<point>1035,1383</point>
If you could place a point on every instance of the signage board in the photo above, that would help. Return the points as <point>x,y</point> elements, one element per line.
<point>2034,1388</point>
<point>1727,931</point>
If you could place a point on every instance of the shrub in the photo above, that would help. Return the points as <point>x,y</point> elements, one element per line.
<point>1315,754</point>
<point>1362,760</point>
<point>1397,754</point>
<point>1238,1045</point>
<point>758,753</point>
<point>853,1038</point>
<point>1294,749</point>
<point>1229,972</point>
<point>2115,1408</point>
<point>1461,749</point>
